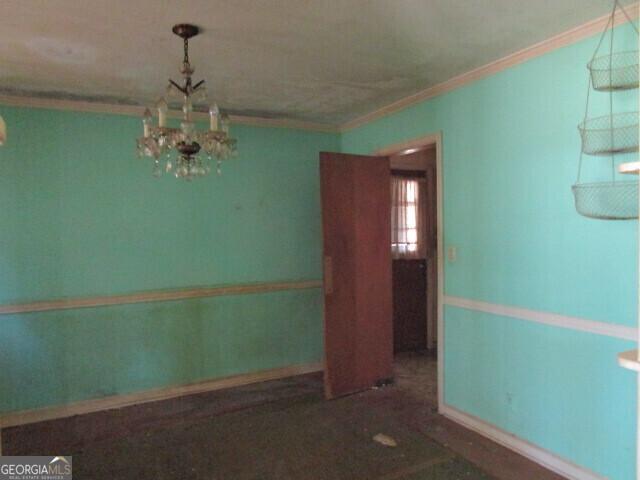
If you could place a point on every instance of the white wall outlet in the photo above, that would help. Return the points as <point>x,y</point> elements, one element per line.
<point>452,253</point>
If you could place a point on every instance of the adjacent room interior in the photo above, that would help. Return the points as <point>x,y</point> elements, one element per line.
<point>329,240</point>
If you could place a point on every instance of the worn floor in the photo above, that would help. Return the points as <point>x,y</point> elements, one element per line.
<point>280,430</point>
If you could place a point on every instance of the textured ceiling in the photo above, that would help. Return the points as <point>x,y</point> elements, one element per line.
<point>321,60</point>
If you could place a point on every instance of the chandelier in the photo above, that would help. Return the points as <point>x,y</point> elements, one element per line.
<point>185,152</point>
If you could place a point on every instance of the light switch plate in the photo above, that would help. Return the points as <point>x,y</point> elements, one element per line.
<point>452,253</point>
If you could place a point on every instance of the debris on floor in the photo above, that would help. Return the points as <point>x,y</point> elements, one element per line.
<point>385,440</point>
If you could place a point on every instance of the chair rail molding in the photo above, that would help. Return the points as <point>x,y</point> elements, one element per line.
<point>546,318</point>
<point>157,296</point>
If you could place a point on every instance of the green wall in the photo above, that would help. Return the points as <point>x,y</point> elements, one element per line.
<point>510,152</point>
<point>63,356</point>
<point>82,216</point>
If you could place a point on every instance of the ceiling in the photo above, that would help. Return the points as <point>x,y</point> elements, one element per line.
<point>326,61</point>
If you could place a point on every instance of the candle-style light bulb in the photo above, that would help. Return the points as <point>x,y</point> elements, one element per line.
<point>214,114</point>
<point>225,123</point>
<point>146,123</point>
<point>162,107</point>
<point>3,131</point>
<point>187,108</point>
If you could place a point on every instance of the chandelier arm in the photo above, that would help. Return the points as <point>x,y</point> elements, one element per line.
<point>182,89</point>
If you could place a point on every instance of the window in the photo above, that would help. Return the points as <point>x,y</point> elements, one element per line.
<point>406,218</point>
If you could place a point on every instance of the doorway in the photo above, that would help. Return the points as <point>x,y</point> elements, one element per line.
<point>405,157</point>
<point>414,249</point>
<point>357,266</point>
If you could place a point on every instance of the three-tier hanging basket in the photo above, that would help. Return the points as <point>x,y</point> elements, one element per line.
<point>609,135</point>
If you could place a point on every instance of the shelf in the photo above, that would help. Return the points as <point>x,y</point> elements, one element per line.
<point>629,360</point>
<point>632,168</point>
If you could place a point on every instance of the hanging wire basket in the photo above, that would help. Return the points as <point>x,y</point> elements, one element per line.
<point>607,200</point>
<point>618,71</point>
<point>610,134</point>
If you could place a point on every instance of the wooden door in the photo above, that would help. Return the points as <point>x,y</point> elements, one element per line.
<point>409,305</point>
<point>356,220</point>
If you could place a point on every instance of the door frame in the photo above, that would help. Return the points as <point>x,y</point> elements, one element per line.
<point>405,147</point>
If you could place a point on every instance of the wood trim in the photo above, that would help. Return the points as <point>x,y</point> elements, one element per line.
<point>156,296</point>
<point>420,143</point>
<point>533,452</point>
<point>546,318</point>
<point>441,277</point>
<point>119,401</point>
<point>137,111</point>
<point>563,39</point>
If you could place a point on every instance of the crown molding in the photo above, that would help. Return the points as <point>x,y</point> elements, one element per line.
<point>137,111</point>
<point>553,43</point>
<point>563,39</point>
<point>277,123</point>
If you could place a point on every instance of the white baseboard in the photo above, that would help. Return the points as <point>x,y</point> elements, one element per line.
<point>118,401</point>
<point>508,440</point>
<point>534,453</point>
